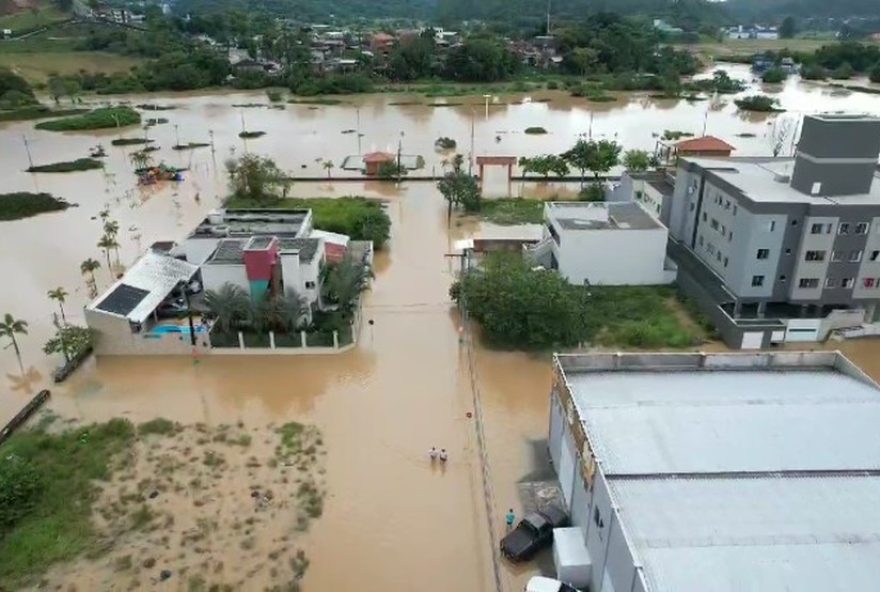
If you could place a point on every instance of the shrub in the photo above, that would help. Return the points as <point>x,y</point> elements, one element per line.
<point>774,76</point>
<point>14,206</point>
<point>761,103</point>
<point>552,85</point>
<point>20,487</point>
<point>275,96</point>
<point>80,164</point>
<point>592,192</point>
<point>107,117</point>
<point>874,74</point>
<point>444,143</point>
<point>813,72</point>
<point>843,72</point>
<point>535,130</point>
<point>159,426</point>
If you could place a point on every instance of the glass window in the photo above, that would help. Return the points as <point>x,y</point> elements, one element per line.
<point>875,255</point>
<point>830,283</point>
<point>772,225</point>
<point>837,255</point>
<point>816,229</point>
<point>855,256</point>
<point>862,228</point>
<point>310,285</point>
<point>763,253</point>
<point>847,283</point>
<point>757,280</point>
<point>843,228</point>
<point>725,262</point>
<point>808,283</point>
<point>814,256</point>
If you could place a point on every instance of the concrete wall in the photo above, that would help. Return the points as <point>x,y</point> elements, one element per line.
<point>685,199</point>
<point>113,336</point>
<point>291,273</point>
<point>613,257</point>
<point>215,275</point>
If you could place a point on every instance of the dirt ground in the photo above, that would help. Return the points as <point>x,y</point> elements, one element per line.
<point>205,508</point>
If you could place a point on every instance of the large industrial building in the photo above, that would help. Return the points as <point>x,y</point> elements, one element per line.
<point>726,472</point>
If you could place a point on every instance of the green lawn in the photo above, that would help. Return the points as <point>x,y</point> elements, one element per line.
<point>47,509</point>
<point>27,20</point>
<point>748,47</point>
<point>508,211</point>
<point>37,63</point>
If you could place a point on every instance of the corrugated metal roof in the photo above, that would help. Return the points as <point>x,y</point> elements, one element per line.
<point>727,421</point>
<point>154,273</point>
<point>766,534</point>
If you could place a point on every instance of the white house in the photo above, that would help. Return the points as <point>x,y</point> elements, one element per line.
<point>605,243</point>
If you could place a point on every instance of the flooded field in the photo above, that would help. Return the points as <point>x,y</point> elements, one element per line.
<point>391,520</point>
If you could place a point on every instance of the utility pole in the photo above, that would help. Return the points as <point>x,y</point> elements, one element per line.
<point>211,134</point>
<point>705,121</point>
<point>177,134</point>
<point>358,132</point>
<point>471,159</point>
<point>27,148</point>
<point>243,128</point>
<point>548,18</point>
<point>399,152</point>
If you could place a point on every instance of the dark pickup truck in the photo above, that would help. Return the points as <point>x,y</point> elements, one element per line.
<point>533,533</point>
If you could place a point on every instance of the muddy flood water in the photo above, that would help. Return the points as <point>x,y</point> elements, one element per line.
<point>390,520</point>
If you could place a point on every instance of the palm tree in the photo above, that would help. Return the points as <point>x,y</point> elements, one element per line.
<point>111,228</point>
<point>9,328</point>
<point>107,243</point>
<point>229,304</point>
<point>291,308</point>
<point>140,160</point>
<point>345,282</point>
<point>59,294</point>
<point>88,267</point>
<point>328,164</point>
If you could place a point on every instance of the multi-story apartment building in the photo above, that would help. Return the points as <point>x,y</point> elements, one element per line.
<point>793,242</point>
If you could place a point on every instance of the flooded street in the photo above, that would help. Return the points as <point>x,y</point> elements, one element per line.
<point>391,521</point>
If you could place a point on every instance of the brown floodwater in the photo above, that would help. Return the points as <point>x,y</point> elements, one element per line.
<point>391,521</point>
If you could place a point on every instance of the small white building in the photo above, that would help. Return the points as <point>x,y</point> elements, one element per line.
<point>602,243</point>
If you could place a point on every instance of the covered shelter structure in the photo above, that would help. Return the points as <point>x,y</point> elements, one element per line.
<point>373,161</point>
<point>508,161</point>
<point>708,146</point>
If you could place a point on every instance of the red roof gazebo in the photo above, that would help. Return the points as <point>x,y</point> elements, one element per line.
<point>705,146</point>
<point>374,160</point>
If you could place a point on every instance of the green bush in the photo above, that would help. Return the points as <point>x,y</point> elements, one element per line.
<point>20,488</point>
<point>14,206</point>
<point>37,112</point>
<point>774,76</point>
<point>508,211</point>
<point>552,85</point>
<point>535,130</point>
<point>592,192</point>
<point>159,426</point>
<point>813,72</point>
<point>843,72</point>
<point>874,74</point>
<point>761,103</point>
<point>107,117</point>
<point>80,164</point>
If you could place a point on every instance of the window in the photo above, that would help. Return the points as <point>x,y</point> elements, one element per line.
<point>772,225</point>
<point>816,229</point>
<point>830,283</point>
<point>714,224</point>
<point>855,256</point>
<point>639,195</point>
<point>705,217</point>
<point>763,253</point>
<point>869,282</point>
<point>693,206</point>
<point>701,240</point>
<point>310,285</point>
<point>725,262</point>
<point>782,279</point>
<point>875,255</point>
<point>808,283</point>
<point>734,209</point>
<point>710,248</point>
<point>757,280</point>
<point>794,222</point>
<point>862,228</point>
<point>814,256</point>
<point>730,236</point>
<point>723,230</point>
<point>837,255</point>
<point>718,256</point>
<point>597,518</point>
<point>847,283</point>
<point>843,228</point>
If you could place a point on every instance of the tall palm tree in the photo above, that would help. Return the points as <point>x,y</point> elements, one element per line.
<point>11,326</point>
<point>59,294</point>
<point>291,309</point>
<point>107,243</point>
<point>88,267</point>
<point>328,164</point>
<point>345,282</point>
<point>111,228</point>
<point>229,304</point>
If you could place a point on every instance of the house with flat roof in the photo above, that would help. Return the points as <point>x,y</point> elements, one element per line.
<point>720,472</point>
<point>784,249</point>
<point>604,243</point>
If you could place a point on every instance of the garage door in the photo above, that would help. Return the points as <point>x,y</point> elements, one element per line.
<point>566,467</point>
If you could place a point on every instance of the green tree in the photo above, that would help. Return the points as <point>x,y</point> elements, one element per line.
<point>59,294</point>
<point>57,88</point>
<point>593,192</point>
<point>636,161</point>
<point>345,281</point>
<point>229,305</point>
<point>9,328</point>
<point>788,28</point>
<point>111,228</point>
<point>459,188</point>
<point>292,310</point>
<point>257,178</point>
<point>521,307</point>
<point>328,166</point>
<point>594,156</point>
<point>774,76</point>
<point>480,60</point>
<point>89,266</point>
<point>141,160</point>
<point>582,60</point>
<point>70,341</point>
<point>107,244</point>
<point>874,74</point>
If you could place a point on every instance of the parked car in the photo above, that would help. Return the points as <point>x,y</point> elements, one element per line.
<point>542,584</point>
<point>533,533</point>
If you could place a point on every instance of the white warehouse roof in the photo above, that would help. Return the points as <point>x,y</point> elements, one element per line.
<point>738,472</point>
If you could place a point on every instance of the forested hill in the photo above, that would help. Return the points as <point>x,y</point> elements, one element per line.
<point>315,10</point>
<point>770,10</point>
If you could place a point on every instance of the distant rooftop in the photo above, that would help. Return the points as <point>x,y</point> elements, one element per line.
<point>307,247</point>
<point>144,286</point>
<point>767,180</point>
<point>230,250</point>
<point>704,144</point>
<point>734,472</point>
<point>251,222</point>
<point>579,215</point>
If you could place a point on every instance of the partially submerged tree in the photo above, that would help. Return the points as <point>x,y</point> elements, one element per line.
<point>59,294</point>
<point>9,328</point>
<point>230,306</point>
<point>328,166</point>
<point>107,244</point>
<point>89,266</point>
<point>594,156</point>
<point>459,188</point>
<point>70,341</point>
<point>344,283</point>
<point>636,161</point>
<point>257,178</point>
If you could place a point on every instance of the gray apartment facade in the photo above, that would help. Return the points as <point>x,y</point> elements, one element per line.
<point>790,242</point>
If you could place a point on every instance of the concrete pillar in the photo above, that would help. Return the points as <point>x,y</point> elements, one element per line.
<point>481,174</point>
<point>302,338</point>
<point>762,309</point>
<point>509,172</point>
<point>240,340</point>
<point>335,339</point>
<point>272,339</point>
<point>737,309</point>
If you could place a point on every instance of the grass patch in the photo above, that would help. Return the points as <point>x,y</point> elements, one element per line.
<point>639,317</point>
<point>358,217</point>
<point>535,130</point>
<point>508,211</point>
<point>15,206</point>
<point>159,426</point>
<point>59,526</point>
<point>190,146</point>
<point>36,59</point>
<point>107,117</point>
<point>37,112</point>
<point>80,164</point>
<point>317,101</point>
<point>249,135</point>
<point>130,141</point>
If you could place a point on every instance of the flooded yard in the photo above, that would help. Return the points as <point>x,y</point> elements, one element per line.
<point>390,520</point>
